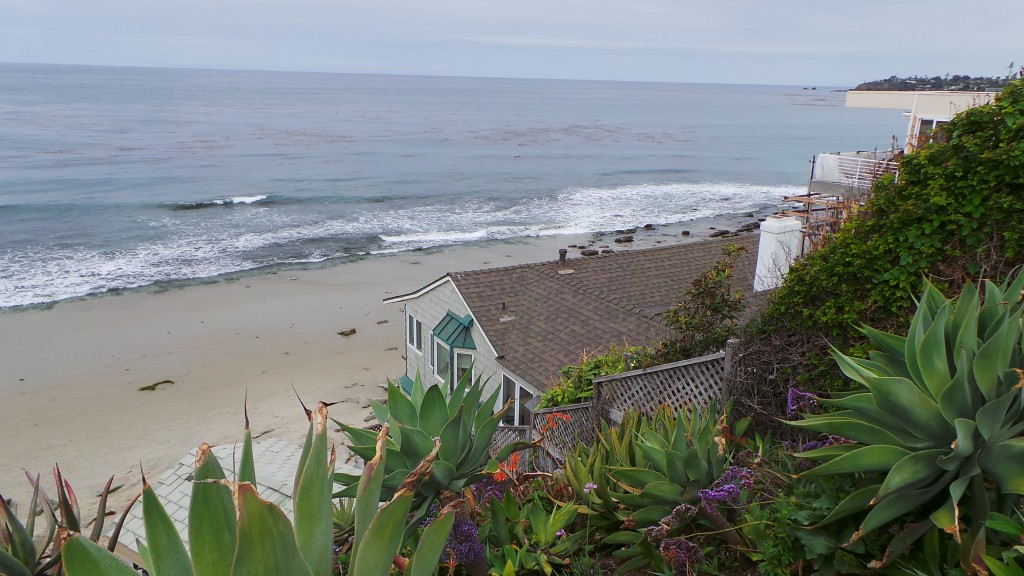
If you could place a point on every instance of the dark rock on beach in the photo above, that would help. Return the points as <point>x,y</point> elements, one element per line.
<point>589,252</point>
<point>623,239</point>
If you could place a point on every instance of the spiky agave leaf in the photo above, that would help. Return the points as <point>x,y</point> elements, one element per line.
<point>211,517</point>
<point>945,406</point>
<point>313,511</point>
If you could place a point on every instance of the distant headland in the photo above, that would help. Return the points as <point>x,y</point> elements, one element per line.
<point>958,82</point>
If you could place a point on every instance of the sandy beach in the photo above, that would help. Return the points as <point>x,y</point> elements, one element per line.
<point>70,375</point>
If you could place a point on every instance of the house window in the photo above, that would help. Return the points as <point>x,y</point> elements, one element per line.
<point>443,362</point>
<point>463,366</point>
<point>927,131</point>
<point>518,414</point>
<point>524,414</point>
<point>414,333</point>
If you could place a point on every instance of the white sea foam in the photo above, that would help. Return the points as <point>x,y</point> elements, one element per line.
<point>230,201</point>
<point>243,199</point>
<point>580,210</point>
<point>195,249</point>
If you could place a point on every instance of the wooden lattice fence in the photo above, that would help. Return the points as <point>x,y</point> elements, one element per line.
<point>697,381</point>
<point>505,435</point>
<point>564,427</point>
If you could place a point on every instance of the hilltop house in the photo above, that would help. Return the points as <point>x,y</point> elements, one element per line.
<point>926,110</point>
<point>518,326</point>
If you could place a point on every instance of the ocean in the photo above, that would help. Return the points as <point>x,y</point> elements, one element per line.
<point>121,178</point>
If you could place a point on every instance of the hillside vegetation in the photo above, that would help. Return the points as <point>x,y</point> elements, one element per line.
<point>955,214</point>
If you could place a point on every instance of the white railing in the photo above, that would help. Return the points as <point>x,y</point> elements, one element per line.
<point>854,169</point>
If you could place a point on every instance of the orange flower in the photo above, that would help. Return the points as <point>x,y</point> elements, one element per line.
<point>507,468</point>
<point>552,421</point>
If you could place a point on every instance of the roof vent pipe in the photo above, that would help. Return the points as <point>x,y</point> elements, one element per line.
<point>562,268</point>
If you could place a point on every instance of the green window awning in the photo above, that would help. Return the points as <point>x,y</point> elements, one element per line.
<point>405,383</point>
<point>454,330</point>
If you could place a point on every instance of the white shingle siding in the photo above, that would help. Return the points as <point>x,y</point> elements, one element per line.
<point>429,308</point>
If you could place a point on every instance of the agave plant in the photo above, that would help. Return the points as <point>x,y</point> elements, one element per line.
<point>234,531</point>
<point>637,473</point>
<point>21,553</point>
<point>941,417</point>
<point>463,422</point>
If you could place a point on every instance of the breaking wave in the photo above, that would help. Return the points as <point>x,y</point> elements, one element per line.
<point>193,249</point>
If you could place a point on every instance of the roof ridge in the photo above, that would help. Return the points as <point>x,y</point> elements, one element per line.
<point>719,240</point>
<point>618,301</point>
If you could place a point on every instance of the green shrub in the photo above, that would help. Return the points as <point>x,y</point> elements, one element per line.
<point>576,383</point>
<point>954,214</point>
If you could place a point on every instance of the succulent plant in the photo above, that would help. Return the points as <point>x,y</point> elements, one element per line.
<point>528,538</point>
<point>235,532</point>
<point>637,473</point>
<point>21,553</point>
<point>942,418</point>
<point>464,422</point>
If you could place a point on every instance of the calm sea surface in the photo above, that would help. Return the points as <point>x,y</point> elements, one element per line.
<point>114,178</point>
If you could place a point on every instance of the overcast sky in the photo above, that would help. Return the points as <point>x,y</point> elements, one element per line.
<point>827,43</point>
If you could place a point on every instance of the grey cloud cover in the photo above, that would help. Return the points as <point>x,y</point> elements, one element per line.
<point>784,42</point>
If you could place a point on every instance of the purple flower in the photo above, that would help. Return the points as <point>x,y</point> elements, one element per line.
<point>431,514</point>
<point>683,556</point>
<point>588,487</point>
<point>464,542</point>
<point>560,533</point>
<point>739,476</point>
<point>727,494</point>
<point>729,487</point>
<point>489,488</point>
<point>799,402</point>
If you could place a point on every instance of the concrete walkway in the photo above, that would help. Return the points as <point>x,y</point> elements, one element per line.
<point>275,460</point>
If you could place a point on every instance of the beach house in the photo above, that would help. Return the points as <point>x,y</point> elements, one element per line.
<point>518,326</point>
<point>925,110</point>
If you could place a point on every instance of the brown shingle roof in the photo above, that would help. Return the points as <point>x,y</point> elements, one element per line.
<point>540,321</point>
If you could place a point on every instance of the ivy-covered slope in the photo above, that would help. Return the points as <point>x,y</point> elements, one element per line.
<point>956,213</point>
